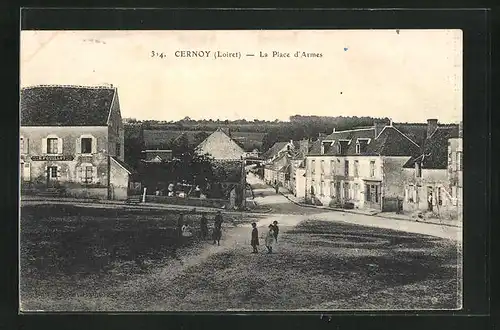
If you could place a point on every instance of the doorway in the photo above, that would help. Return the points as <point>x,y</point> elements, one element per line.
<point>51,176</point>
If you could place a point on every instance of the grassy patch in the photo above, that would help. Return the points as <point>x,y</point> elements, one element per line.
<point>360,268</point>
<point>67,251</point>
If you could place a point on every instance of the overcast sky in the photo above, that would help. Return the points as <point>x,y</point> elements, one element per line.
<point>407,75</point>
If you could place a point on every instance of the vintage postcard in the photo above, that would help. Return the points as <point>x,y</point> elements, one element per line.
<point>248,170</point>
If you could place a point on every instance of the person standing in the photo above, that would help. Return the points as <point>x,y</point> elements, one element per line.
<point>218,219</point>
<point>255,238</point>
<point>276,230</point>
<point>270,239</point>
<point>429,202</point>
<point>180,223</point>
<point>217,232</point>
<point>204,226</point>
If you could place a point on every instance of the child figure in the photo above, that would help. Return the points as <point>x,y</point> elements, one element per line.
<point>270,239</point>
<point>255,238</point>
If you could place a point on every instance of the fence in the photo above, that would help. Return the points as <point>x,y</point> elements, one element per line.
<point>188,201</point>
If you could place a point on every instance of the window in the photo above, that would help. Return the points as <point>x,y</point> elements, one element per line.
<point>332,167</point>
<point>339,148</point>
<point>372,168</point>
<point>361,145</point>
<point>86,145</point>
<point>52,172</point>
<point>332,189</point>
<point>87,173</point>
<point>346,190</point>
<point>459,161</point>
<point>322,166</point>
<point>439,196</point>
<point>418,170</point>
<point>321,192</point>
<point>313,166</point>
<point>21,146</point>
<point>356,168</point>
<point>372,193</point>
<point>326,147</point>
<point>411,194</point>
<point>118,149</point>
<point>356,191</point>
<point>346,168</point>
<point>52,146</point>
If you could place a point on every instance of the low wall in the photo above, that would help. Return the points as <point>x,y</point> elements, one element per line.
<point>208,202</point>
<point>101,193</point>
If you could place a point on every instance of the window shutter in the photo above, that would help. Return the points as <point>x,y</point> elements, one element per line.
<point>59,146</point>
<point>26,145</point>
<point>94,174</point>
<point>78,145</point>
<point>44,145</point>
<point>78,174</point>
<point>58,172</point>
<point>94,145</point>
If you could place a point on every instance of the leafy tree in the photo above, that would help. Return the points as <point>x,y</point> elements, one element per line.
<point>200,137</point>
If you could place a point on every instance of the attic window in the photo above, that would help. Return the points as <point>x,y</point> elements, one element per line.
<point>326,147</point>
<point>343,146</point>
<point>361,145</point>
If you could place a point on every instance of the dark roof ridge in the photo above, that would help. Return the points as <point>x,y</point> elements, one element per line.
<point>70,86</point>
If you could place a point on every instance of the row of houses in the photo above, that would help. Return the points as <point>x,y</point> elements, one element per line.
<point>386,167</point>
<point>72,140</point>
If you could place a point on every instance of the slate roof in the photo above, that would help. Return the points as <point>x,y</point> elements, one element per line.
<point>273,151</point>
<point>391,141</point>
<point>124,165</point>
<point>66,105</point>
<point>434,152</point>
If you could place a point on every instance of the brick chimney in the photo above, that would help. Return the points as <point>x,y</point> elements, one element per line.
<point>432,125</point>
<point>304,146</point>
<point>461,129</point>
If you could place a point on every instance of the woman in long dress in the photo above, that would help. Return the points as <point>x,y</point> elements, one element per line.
<point>270,239</point>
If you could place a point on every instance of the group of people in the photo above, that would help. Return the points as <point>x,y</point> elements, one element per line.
<point>186,231</point>
<point>270,239</point>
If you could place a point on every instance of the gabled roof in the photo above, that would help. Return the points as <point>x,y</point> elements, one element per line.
<point>124,165</point>
<point>66,105</point>
<point>220,146</point>
<point>434,153</point>
<point>274,150</point>
<point>392,142</point>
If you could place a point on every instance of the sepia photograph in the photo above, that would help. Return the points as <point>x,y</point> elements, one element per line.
<point>240,170</point>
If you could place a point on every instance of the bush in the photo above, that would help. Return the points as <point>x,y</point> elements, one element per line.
<point>348,205</point>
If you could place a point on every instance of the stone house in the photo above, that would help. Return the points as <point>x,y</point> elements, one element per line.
<point>228,157</point>
<point>72,138</point>
<point>361,166</point>
<point>455,168</point>
<point>220,146</point>
<point>278,171</point>
<point>434,176</point>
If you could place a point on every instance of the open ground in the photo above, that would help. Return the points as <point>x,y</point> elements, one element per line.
<point>84,258</point>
